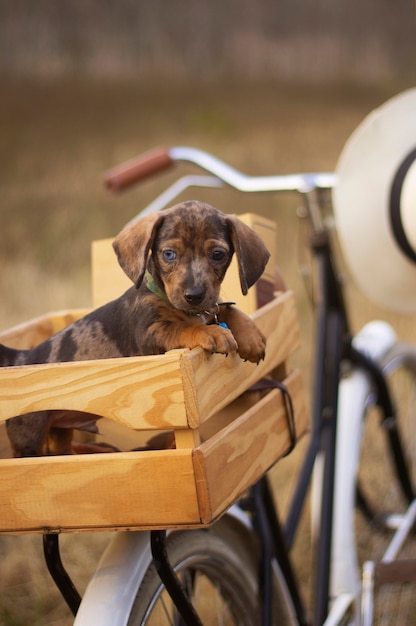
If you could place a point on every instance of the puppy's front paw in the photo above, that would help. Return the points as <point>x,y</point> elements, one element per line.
<point>215,338</point>
<point>250,340</point>
<point>252,346</point>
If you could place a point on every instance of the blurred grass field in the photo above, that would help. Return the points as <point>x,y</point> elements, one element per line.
<point>56,140</point>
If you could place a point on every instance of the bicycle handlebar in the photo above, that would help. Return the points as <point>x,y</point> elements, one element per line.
<point>138,168</point>
<point>160,159</point>
<point>253,184</point>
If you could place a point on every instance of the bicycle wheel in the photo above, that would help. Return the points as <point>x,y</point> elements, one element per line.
<point>383,495</point>
<point>377,475</point>
<point>399,366</point>
<point>220,577</point>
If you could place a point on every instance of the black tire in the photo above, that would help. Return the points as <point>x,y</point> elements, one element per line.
<point>219,574</point>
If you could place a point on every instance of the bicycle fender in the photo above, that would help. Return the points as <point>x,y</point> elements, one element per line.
<point>110,594</point>
<point>111,591</point>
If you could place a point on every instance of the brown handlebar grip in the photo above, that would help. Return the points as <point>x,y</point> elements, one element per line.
<point>130,172</point>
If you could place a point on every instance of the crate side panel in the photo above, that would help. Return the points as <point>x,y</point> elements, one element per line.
<point>232,460</point>
<point>139,392</point>
<point>129,490</point>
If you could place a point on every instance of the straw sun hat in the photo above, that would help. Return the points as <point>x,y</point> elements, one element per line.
<point>375,203</point>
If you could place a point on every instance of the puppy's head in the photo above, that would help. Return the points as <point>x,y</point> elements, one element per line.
<point>187,249</point>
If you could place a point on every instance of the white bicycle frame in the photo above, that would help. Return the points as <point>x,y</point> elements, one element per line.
<point>355,395</point>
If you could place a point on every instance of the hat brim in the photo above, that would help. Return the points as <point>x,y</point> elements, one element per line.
<point>365,173</point>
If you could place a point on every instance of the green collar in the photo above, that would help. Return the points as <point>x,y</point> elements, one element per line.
<point>149,281</point>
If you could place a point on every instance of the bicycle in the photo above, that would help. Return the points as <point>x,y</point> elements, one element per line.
<point>241,565</point>
<point>352,376</point>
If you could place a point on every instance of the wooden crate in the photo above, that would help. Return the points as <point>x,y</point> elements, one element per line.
<point>184,391</point>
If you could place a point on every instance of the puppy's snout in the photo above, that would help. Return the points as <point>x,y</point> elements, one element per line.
<point>194,295</point>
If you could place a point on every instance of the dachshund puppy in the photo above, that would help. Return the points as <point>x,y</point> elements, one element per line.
<point>177,260</point>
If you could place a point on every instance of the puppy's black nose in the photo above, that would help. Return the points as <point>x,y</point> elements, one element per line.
<point>195,295</point>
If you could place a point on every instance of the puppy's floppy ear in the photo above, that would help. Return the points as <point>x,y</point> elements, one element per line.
<point>133,244</point>
<point>252,255</point>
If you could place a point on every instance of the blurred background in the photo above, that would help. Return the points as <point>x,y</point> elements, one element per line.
<point>269,86</point>
<point>272,87</point>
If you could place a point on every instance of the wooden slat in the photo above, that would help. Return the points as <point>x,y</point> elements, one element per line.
<point>214,381</point>
<point>140,392</point>
<point>108,279</point>
<point>100,491</point>
<point>229,462</point>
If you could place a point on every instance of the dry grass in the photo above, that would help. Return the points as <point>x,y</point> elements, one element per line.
<point>57,139</point>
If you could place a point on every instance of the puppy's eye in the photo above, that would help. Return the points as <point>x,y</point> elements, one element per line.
<point>169,255</point>
<point>218,255</point>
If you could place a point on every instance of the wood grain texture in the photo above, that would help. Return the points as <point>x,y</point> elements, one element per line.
<point>154,489</point>
<point>236,457</point>
<point>140,392</point>
<point>108,279</point>
<point>100,491</point>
